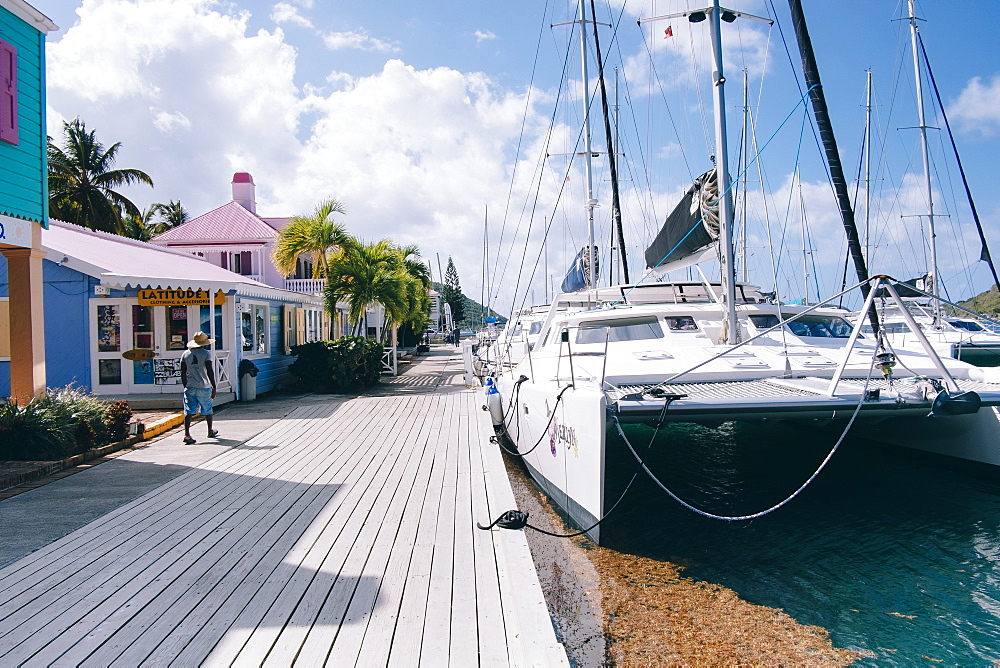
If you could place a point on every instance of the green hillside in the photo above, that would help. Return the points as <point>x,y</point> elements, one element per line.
<point>474,311</point>
<point>986,303</point>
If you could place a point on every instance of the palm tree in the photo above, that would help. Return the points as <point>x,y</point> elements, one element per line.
<point>366,274</point>
<point>313,236</point>
<point>142,227</point>
<point>171,215</point>
<point>82,181</point>
<point>416,268</point>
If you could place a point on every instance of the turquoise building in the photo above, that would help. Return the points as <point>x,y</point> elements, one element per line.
<point>23,193</point>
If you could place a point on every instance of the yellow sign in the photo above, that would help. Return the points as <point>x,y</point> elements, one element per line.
<point>137,354</point>
<point>188,297</point>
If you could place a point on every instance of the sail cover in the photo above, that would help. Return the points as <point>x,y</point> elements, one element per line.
<point>578,276</point>
<point>905,289</point>
<point>691,232</point>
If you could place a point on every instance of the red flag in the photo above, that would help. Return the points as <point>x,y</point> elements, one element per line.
<point>669,32</point>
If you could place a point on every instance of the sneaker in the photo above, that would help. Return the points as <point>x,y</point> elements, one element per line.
<point>213,434</point>
<point>189,441</point>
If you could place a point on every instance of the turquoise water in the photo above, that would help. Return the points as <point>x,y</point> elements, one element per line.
<point>892,553</point>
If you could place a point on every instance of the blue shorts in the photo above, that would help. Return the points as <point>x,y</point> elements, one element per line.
<point>198,400</point>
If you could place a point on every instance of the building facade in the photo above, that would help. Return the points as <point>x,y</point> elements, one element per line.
<point>23,195</point>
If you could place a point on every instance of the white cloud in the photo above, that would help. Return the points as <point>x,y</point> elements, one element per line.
<point>357,39</point>
<point>484,36</point>
<point>978,106</point>
<point>165,122</point>
<point>284,12</point>
<point>193,96</point>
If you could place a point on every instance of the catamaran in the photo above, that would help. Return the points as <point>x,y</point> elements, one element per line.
<point>649,353</point>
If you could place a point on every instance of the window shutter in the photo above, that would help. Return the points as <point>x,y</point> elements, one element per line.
<point>288,328</point>
<point>300,324</point>
<point>4,328</point>
<point>8,93</point>
<point>246,264</point>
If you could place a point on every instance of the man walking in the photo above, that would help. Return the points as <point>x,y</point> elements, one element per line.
<point>198,379</point>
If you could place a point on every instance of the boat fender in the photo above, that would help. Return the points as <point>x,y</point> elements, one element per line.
<point>947,404</point>
<point>493,403</point>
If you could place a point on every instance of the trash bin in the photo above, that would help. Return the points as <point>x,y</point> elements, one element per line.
<point>248,380</point>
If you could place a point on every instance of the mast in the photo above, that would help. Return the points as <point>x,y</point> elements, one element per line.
<point>722,174</point>
<point>805,248</point>
<point>868,165</point>
<point>616,212</point>
<point>822,115</point>
<point>932,271</point>
<point>588,152</point>
<point>745,160</point>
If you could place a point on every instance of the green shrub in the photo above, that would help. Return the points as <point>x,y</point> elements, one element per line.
<point>117,416</point>
<point>348,364</point>
<point>34,431</point>
<point>64,422</point>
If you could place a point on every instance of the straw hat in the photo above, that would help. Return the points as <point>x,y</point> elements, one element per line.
<point>200,339</point>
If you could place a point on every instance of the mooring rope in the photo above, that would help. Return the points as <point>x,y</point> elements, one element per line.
<point>734,518</point>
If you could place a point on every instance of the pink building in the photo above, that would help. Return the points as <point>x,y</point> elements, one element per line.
<point>234,237</point>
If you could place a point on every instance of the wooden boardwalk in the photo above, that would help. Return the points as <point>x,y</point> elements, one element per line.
<point>342,535</point>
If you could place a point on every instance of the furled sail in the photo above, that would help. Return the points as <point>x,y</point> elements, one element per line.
<point>578,276</point>
<point>691,232</point>
<point>906,288</point>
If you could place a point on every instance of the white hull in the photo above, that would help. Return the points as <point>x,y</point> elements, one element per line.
<point>562,431</point>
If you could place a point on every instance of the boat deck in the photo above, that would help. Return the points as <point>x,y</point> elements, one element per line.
<point>342,535</point>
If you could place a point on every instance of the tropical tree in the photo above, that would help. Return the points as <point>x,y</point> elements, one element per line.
<point>452,292</point>
<point>415,267</point>
<point>313,236</point>
<point>141,227</point>
<point>82,181</point>
<point>154,221</point>
<point>368,274</point>
<point>172,214</point>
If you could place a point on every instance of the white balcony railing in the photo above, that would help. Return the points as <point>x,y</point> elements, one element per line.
<point>309,286</point>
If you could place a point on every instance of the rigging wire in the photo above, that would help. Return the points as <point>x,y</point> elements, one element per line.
<point>520,138</point>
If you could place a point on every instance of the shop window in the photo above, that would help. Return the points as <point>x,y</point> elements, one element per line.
<point>177,327</point>
<point>254,329</point>
<point>142,326</point>
<point>8,93</point>
<point>203,319</point>
<point>109,328</point>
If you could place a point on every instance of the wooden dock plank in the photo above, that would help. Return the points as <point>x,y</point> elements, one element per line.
<point>343,534</point>
<point>118,583</point>
<point>199,592</point>
<point>437,622</point>
<point>95,539</point>
<point>293,606</point>
<point>375,633</point>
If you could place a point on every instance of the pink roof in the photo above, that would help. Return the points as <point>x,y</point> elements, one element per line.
<point>229,223</point>
<point>243,177</point>
<point>120,262</point>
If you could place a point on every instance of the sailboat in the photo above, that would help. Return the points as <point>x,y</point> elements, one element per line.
<point>964,338</point>
<point>648,353</point>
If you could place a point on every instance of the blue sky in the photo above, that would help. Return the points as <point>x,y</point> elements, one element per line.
<point>412,114</point>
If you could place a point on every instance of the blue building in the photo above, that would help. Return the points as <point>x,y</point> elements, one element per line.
<point>119,312</point>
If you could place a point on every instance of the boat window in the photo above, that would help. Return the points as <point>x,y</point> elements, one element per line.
<point>681,323</point>
<point>829,327</point>
<point>967,325</point>
<point>516,331</point>
<point>535,328</point>
<point>763,322</point>
<point>626,329</point>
